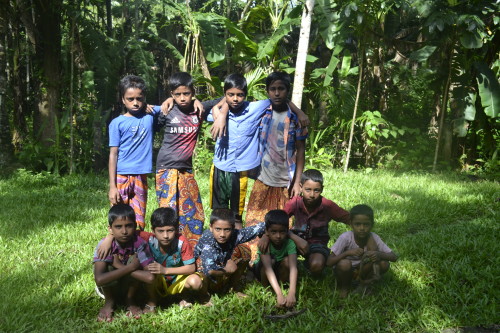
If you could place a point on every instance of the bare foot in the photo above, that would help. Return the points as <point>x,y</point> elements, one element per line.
<point>185,304</point>
<point>106,313</point>
<point>149,308</point>
<point>241,295</point>
<point>134,311</point>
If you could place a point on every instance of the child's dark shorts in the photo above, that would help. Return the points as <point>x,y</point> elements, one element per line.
<point>257,268</point>
<point>318,248</point>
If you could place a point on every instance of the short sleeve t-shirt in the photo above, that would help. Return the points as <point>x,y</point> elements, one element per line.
<point>180,252</point>
<point>135,246</point>
<point>274,171</point>
<point>346,242</point>
<point>288,248</point>
<point>179,138</point>
<point>313,226</point>
<point>239,149</point>
<point>133,135</point>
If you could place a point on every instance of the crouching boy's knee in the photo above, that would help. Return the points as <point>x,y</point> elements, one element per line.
<point>344,265</point>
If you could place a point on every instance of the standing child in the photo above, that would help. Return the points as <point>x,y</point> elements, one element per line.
<point>176,186</point>
<point>174,266</point>
<point>236,155</point>
<point>359,252</point>
<point>222,255</point>
<point>312,214</point>
<point>131,148</point>
<point>120,272</point>
<point>279,263</point>
<point>282,147</point>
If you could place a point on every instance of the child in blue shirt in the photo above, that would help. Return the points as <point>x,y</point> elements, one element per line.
<point>223,257</point>
<point>131,148</point>
<point>236,155</point>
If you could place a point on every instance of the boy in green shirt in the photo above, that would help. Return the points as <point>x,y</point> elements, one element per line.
<point>279,262</point>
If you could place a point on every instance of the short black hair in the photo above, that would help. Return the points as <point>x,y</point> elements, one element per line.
<point>131,81</point>
<point>120,210</point>
<point>312,174</point>
<point>222,214</point>
<point>180,79</point>
<point>276,216</point>
<point>237,81</point>
<point>164,216</point>
<point>362,210</point>
<point>278,76</point>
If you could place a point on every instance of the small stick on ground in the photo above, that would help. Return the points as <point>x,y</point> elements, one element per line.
<point>288,314</point>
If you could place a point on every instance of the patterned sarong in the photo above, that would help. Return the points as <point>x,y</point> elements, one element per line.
<point>178,189</point>
<point>133,190</point>
<point>263,198</point>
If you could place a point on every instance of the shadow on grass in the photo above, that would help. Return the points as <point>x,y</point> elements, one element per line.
<point>33,203</point>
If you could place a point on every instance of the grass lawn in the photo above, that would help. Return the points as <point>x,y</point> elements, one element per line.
<point>444,227</point>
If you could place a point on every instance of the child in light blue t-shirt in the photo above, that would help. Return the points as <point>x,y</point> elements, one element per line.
<point>131,145</point>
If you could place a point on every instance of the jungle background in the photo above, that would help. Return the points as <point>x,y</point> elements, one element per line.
<point>426,73</point>
<point>428,70</point>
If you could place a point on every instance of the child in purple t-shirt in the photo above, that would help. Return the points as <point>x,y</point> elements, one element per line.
<point>121,271</point>
<point>359,253</point>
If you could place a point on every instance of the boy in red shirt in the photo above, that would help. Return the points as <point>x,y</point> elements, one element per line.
<point>312,214</point>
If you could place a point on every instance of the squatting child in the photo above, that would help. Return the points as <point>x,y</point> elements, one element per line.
<point>176,186</point>
<point>174,266</point>
<point>119,274</point>
<point>131,148</point>
<point>359,253</point>
<point>312,213</point>
<point>223,257</point>
<point>236,154</point>
<point>282,147</point>
<point>279,262</point>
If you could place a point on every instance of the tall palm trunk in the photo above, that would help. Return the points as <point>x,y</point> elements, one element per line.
<point>300,67</point>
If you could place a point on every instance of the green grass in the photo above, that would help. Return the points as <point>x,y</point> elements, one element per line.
<point>444,228</point>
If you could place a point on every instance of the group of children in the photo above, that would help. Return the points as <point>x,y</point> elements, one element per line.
<point>264,140</point>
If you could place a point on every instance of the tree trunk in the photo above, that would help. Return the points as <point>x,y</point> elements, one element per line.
<point>48,54</point>
<point>109,18</point>
<point>358,89</point>
<point>6,150</point>
<point>300,67</point>
<point>444,107</point>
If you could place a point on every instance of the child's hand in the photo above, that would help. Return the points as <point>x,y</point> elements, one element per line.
<point>104,249</point>
<point>263,244</point>
<point>114,196</point>
<point>290,300</point>
<point>373,255</point>
<point>295,190</point>
<point>149,108</point>
<point>218,129</point>
<point>231,266</point>
<point>156,268</point>
<point>303,119</point>
<point>198,107</point>
<point>134,261</point>
<point>167,105</point>
<point>116,262</point>
<point>280,301</point>
<point>355,252</point>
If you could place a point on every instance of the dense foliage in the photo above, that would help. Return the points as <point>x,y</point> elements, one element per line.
<point>429,95</point>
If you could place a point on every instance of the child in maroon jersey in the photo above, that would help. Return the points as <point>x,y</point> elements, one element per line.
<point>175,183</point>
